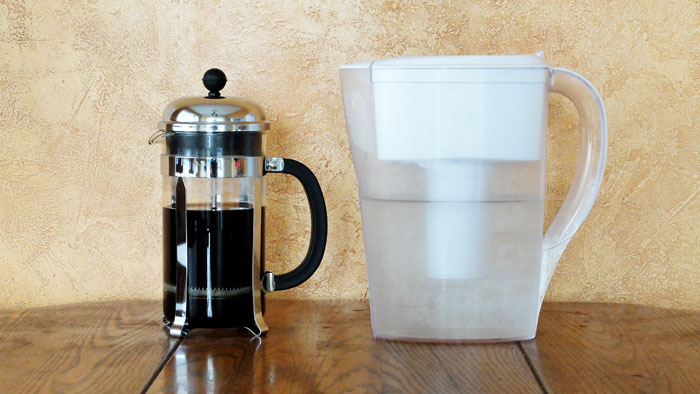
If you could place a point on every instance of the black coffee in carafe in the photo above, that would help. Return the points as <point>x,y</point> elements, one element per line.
<point>214,166</point>
<point>220,253</point>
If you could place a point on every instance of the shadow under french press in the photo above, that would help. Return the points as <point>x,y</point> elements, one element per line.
<point>211,360</point>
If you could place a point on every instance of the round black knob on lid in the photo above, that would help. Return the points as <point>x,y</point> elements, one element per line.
<point>214,80</point>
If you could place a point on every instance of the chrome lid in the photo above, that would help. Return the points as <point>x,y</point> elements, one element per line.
<point>213,113</point>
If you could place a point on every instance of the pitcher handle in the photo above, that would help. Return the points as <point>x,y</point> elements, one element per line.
<point>319,225</point>
<point>593,129</point>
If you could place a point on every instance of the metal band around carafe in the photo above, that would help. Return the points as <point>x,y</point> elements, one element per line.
<point>212,167</point>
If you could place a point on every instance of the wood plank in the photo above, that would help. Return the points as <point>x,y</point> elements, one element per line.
<point>84,348</point>
<point>599,348</point>
<point>320,347</point>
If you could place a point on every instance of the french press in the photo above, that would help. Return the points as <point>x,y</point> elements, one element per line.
<point>214,167</point>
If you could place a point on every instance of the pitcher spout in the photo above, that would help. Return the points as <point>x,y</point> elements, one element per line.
<point>356,83</point>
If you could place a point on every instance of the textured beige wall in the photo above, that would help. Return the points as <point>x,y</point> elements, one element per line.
<point>83,83</point>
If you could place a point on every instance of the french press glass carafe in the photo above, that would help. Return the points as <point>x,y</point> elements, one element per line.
<point>213,170</point>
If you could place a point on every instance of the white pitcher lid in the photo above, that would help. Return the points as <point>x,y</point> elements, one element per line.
<point>459,69</point>
<point>479,61</point>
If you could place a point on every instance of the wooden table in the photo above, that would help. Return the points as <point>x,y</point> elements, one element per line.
<point>325,347</point>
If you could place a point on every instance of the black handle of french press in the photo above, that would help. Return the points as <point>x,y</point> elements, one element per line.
<point>319,226</point>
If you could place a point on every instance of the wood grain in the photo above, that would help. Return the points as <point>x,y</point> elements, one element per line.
<point>322,347</point>
<point>82,348</point>
<point>596,348</point>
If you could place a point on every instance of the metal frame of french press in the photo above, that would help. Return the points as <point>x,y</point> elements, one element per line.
<point>221,167</point>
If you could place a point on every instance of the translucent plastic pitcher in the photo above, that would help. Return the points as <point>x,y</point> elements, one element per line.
<point>449,154</point>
